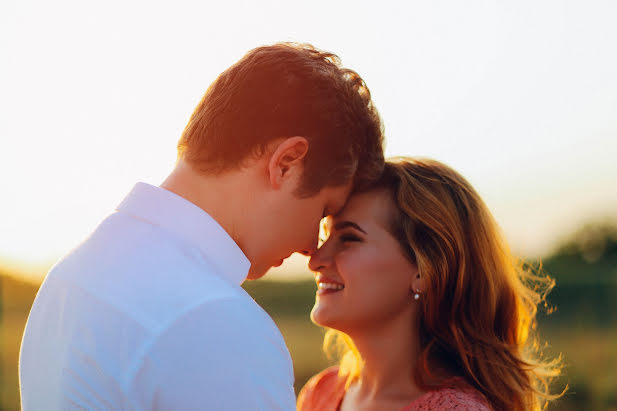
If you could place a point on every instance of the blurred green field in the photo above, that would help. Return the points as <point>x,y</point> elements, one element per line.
<point>583,328</point>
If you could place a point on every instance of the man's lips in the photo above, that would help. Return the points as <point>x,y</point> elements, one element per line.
<point>327,285</point>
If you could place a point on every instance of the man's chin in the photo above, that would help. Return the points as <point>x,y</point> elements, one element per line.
<point>257,273</point>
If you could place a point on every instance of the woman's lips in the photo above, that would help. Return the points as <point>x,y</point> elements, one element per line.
<point>328,288</point>
<point>327,285</point>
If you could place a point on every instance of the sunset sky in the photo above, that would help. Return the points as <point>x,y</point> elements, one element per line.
<point>519,96</point>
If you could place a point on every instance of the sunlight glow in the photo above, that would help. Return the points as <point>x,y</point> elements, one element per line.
<point>519,97</point>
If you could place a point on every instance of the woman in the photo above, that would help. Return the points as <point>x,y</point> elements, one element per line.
<point>432,311</point>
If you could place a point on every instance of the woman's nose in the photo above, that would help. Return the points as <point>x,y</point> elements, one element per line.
<point>319,258</point>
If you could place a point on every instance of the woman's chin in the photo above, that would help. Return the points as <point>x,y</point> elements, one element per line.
<point>315,316</point>
<point>323,317</point>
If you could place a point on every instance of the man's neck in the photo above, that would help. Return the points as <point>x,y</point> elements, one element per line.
<point>225,197</point>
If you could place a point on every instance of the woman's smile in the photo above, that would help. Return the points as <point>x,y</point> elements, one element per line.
<point>327,285</point>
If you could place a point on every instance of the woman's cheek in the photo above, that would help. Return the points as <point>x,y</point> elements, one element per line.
<point>358,269</point>
<point>356,252</point>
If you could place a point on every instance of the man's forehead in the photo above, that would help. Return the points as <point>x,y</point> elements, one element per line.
<point>338,206</point>
<point>339,201</point>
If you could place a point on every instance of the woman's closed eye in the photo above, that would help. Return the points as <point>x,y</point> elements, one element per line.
<point>347,237</point>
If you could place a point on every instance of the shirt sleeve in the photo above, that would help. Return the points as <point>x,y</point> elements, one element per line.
<point>224,355</point>
<point>306,395</point>
<point>322,391</point>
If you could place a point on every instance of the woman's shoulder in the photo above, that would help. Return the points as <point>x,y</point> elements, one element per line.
<point>325,376</point>
<point>323,391</point>
<point>454,394</point>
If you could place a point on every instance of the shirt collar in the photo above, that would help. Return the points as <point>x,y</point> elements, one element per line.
<point>173,213</point>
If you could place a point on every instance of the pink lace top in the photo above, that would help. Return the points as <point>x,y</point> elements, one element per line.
<point>325,391</point>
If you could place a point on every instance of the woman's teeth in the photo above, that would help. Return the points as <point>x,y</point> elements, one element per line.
<point>330,286</point>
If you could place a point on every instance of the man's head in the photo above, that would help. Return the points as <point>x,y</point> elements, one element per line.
<point>296,105</point>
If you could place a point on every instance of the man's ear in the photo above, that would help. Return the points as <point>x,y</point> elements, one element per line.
<point>287,160</point>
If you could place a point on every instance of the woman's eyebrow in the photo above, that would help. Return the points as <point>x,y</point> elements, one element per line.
<point>344,224</point>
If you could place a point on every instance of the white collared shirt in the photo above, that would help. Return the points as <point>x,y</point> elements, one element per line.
<point>148,313</point>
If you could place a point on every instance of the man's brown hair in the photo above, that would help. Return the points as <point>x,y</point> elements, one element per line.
<point>287,90</point>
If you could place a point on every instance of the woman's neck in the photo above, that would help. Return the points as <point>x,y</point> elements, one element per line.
<point>389,355</point>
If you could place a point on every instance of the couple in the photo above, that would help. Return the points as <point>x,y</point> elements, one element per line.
<point>413,278</point>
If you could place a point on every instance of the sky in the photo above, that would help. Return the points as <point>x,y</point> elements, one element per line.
<point>520,97</point>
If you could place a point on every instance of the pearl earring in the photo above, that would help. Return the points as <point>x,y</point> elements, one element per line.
<point>416,296</point>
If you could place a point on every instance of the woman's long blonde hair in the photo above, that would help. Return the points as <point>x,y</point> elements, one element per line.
<point>478,314</point>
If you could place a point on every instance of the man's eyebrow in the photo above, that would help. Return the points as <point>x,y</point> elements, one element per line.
<point>344,224</point>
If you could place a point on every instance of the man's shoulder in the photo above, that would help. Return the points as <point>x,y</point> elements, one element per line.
<point>128,269</point>
<point>134,269</point>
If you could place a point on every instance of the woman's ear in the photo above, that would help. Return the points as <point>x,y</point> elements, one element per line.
<point>286,161</point>
<point>418,282</point>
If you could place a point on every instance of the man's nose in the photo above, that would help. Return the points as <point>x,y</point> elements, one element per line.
<point>310,248</point>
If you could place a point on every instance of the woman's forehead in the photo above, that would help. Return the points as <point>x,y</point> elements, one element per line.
<point>374,206</point>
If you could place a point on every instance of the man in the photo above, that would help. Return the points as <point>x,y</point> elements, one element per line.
<point>148,312</point>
